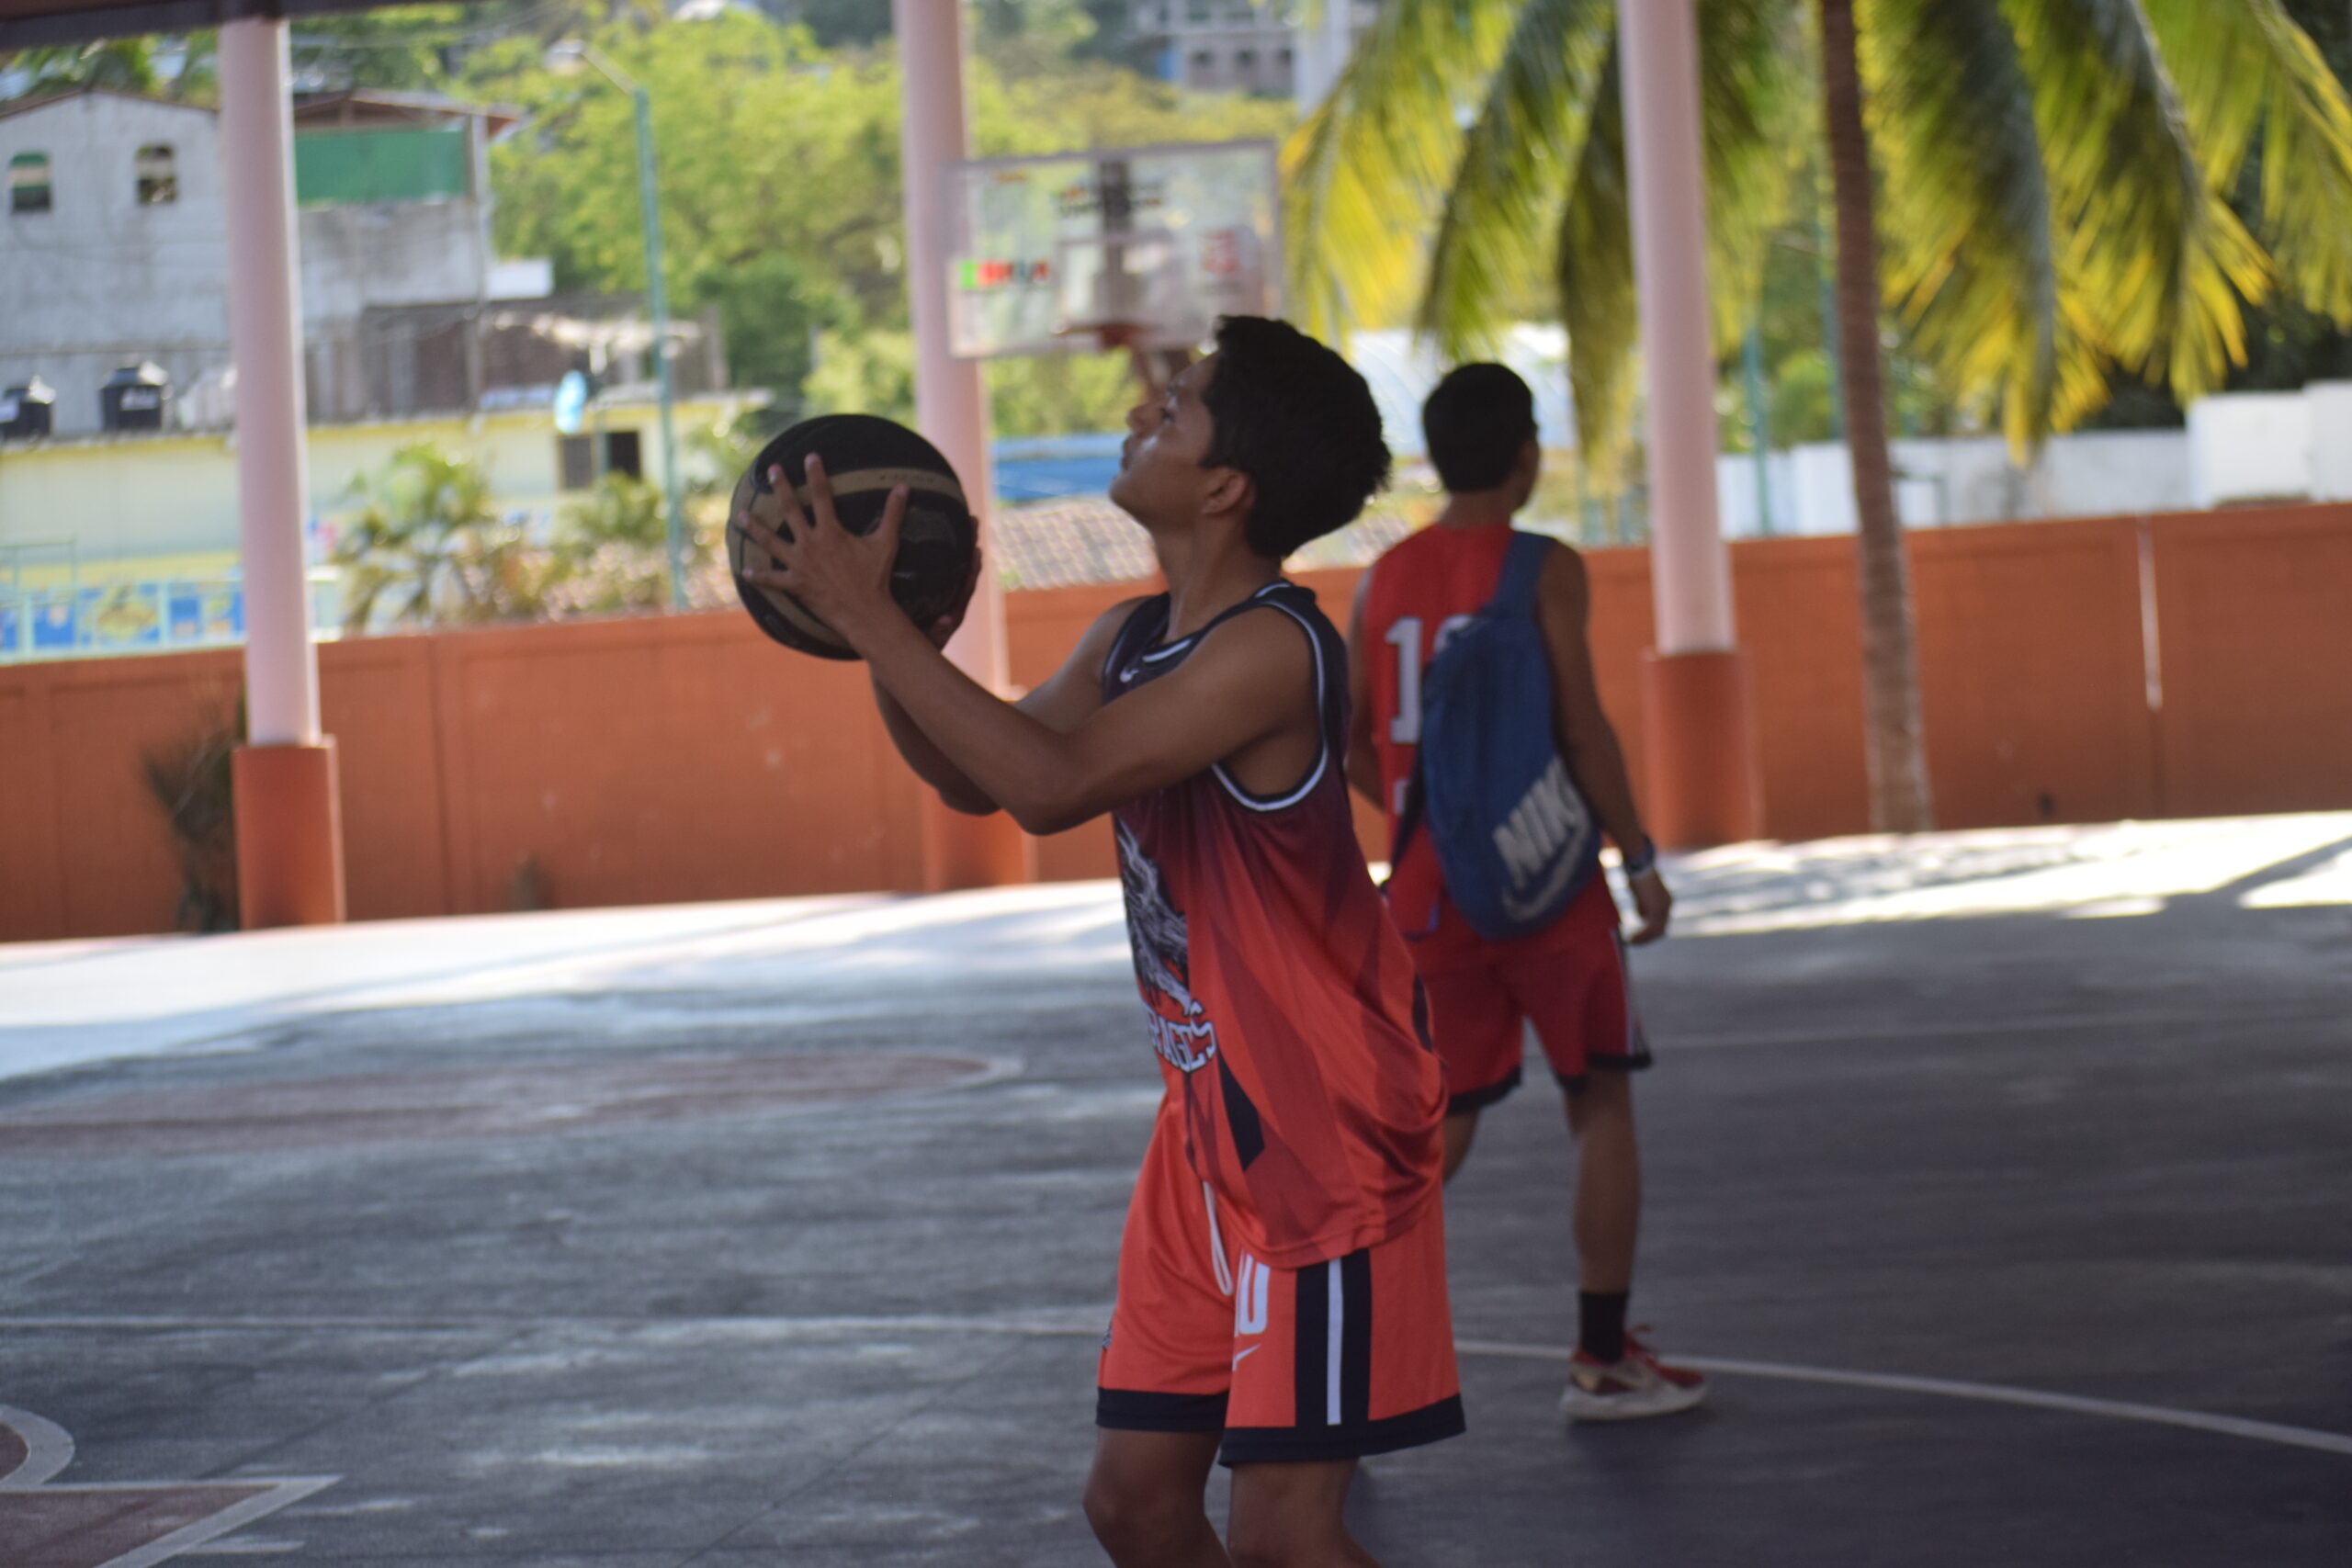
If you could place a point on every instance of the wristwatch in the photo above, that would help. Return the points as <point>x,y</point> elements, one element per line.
<point>1644,864</point>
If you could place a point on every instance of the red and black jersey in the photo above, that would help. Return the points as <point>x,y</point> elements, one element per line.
<point>1283,1005</point>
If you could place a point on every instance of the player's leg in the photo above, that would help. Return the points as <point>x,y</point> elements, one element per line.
<point>1165,1369</point>
<point>1608,1204</point>
<point>1477,1033</point>
<point>1577,994</point>
<point>1289,1515</point>
<point>1144,1499</point>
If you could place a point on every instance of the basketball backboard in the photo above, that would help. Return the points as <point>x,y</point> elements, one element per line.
<point>1142,246</point>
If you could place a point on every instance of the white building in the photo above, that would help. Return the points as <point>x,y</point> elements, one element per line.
<point>1252,46</point>
<point>113,246</point>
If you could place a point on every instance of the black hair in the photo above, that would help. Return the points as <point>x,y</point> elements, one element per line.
<point>1476,423</point>
<point>1298,420</point>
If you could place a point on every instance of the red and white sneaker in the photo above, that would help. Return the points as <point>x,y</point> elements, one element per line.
<point>1634,1386</point>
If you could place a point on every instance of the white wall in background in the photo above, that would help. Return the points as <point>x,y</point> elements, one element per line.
<point>2250,446</point>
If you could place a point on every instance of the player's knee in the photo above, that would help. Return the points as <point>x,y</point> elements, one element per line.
<point>1130,1520</point>
<point>1272,1543</point>
<point>1603,1096</point>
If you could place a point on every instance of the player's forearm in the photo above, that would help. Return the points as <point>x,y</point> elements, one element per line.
<point>1007,757</point>
<point>954,787</point>
<point>1598,764</point>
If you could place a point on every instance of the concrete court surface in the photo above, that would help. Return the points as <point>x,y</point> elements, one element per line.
<point>2004,1180</point>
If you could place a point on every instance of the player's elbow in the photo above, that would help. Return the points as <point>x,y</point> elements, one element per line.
<point>1050,814</point>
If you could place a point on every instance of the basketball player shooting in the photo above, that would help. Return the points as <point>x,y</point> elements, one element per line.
<point>1281,1301</point>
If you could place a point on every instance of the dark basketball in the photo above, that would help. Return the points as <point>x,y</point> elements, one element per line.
<point>866,457</point>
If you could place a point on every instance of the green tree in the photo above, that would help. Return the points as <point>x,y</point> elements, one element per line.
<point>427,548</point>
<point>778,164</point>
<point>2047,179</point>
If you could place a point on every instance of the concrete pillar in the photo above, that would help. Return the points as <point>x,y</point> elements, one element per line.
<point>951,407</point>
<point>1699,743</point>
<point>290,843</point>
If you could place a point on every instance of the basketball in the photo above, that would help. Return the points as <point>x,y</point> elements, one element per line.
<point>866,457</point>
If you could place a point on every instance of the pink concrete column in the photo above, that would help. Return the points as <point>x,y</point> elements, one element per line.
<point>289,848</point>
<point>951,406</point>
<point>1699,746</point>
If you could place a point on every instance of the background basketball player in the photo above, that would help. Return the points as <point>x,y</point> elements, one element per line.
<point>1570,979</point>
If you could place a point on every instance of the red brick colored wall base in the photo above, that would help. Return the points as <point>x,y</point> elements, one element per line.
<point>2072,671</point>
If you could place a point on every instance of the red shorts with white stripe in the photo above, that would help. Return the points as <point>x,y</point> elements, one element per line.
<point>1330,1361</point>
<point>1568,980</point>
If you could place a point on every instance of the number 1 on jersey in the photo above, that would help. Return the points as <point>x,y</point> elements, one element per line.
<point>1405,637</point>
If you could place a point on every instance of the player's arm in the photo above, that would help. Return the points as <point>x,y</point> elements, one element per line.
<point>1250,682</point>
<point>1587,740</point>
<point>1062,704</point>
<point>1364,755</point>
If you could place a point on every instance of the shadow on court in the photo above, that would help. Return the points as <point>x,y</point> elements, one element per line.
<point>2011,1214</point>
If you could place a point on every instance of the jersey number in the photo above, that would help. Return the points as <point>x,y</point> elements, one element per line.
<point>1405,637</point>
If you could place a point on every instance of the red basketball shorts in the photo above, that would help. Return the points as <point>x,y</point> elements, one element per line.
<point>1568,980</point>
<point>1330,1361</point>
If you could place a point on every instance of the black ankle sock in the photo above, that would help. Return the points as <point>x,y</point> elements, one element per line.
<point>1600,1316</point>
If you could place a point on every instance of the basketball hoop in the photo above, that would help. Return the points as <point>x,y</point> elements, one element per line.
<point>1155,366</point>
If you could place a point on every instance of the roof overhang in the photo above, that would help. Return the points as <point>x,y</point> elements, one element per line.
<point>30,24</point>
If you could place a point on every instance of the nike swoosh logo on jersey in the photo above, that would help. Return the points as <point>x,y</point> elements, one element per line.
<point>1241,1356</point>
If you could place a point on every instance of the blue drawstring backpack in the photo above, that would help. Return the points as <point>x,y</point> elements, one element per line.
<point>1513,838</point>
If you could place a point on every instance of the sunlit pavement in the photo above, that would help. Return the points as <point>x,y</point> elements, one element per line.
<point>2001,1174</point>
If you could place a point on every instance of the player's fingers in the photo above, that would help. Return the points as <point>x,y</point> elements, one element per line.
<point>1651,931</point>
<point>766,578</point>
<point>894,516</point>
<point>788,498</point>
<point>821,491</point>
<point>760,532</point>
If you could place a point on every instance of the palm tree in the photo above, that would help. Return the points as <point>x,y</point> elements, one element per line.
<point>2056,175</point>
<point>429,546</point>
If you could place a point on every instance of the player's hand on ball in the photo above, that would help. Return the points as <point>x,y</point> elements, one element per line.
<point>840,576</point>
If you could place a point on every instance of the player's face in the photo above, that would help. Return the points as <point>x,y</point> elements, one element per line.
<point>1160,476</point>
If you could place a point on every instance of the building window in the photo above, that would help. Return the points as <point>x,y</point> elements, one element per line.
<point>575,461</point>
<point>576,465</point>
<point>624,454</point>
<point>1204,67</point>
<point>29,182</point>
<point>1245,65</point>
<point>159,180</point>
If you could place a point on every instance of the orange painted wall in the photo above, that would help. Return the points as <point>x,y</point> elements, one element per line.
<point>659,759</point>
<point>2254,617</point>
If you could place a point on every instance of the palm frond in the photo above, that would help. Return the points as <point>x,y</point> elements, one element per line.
<point>1965,216</point>
<point>1363,173</point>
<point>2154,263</point>
<point>1594,261</point>
<point>1517,157</point>
<point>1752,85</point>
<point>2243,67</point>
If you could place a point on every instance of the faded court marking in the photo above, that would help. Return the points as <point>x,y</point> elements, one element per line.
<point>1984,1392</point>
<point>47,1448</point>
<point>1086,1321</point>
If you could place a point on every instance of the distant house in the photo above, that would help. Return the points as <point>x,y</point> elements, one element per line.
<point>1274,47</point>
<point>114,254</point>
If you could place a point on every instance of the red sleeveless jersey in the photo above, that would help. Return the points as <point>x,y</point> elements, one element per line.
<point>1282,1004</point>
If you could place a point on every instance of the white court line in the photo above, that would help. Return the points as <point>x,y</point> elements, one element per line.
<point>283,1490</point>
<point>1984,1392</point>
<point>49,1449</point>
<point>1085,1321</point>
